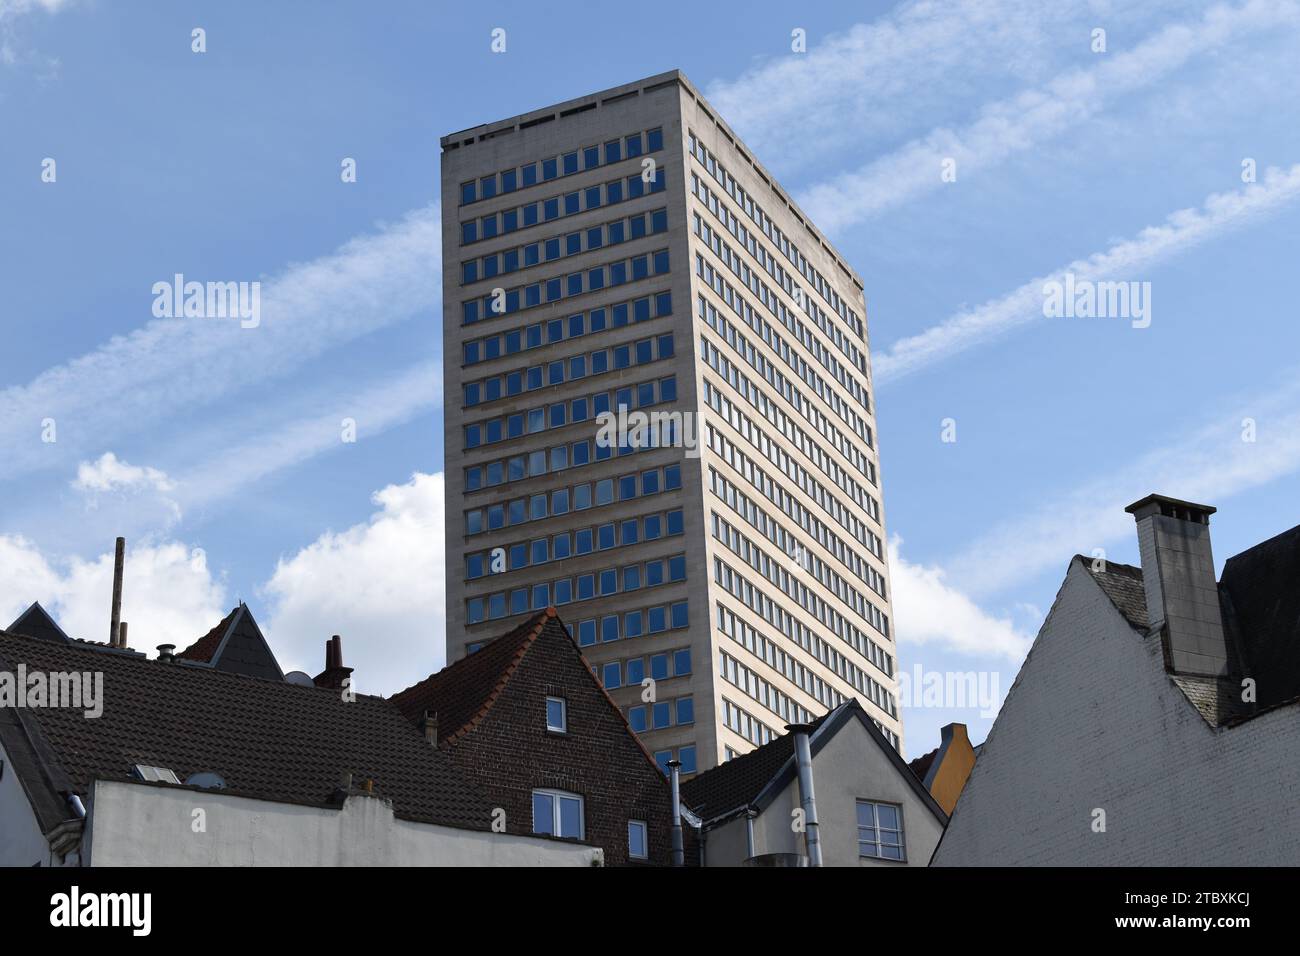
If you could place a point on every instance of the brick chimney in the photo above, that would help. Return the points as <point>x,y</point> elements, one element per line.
<point>1178,576</point>
<point>334,673</point>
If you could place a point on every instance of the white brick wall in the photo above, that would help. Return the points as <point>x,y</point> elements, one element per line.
<point>1093,721</point>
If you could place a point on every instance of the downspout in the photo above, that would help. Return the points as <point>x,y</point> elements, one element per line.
<point>807,798</point>
<point>750,813</point>
<point>674,776</point>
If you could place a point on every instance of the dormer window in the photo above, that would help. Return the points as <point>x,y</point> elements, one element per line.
<point>557,716</point>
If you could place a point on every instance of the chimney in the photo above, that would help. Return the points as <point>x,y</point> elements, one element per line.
<point>429,724</point>
<point>119,560</point>
<point>166,653</point>
<point>1178,576</point>
<point>675,782</point>
<point>807,799</point>
<point>334,673</point>
<point>121,634</point>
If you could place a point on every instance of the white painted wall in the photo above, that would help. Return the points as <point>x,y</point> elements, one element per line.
<point>138,825</point>
<point>1094,722</point>
<point>21,840</point>
<point>849,767</point>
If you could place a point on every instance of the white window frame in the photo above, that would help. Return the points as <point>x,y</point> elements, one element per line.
<point>875,819</point>
<point>564,715</point>
<point>556,796</point>
<point>645,840</point>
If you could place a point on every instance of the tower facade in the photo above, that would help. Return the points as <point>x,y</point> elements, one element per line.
<point>659,419</point>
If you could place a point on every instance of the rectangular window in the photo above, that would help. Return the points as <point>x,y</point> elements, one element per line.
<point>557,813</point>
<point>636,840</point>
<point>557,718</point>
<point>880,831</point>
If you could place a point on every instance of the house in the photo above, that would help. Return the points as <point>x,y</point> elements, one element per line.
<point>1154,719</point>
<point>111,758</point>
<point>945,769</point>
<point>834,792</point>
<point>525,720</point>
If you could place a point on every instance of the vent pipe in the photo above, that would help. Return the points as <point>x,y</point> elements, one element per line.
<point>121,634</point>
<point>675,779</point>
<point>166,653</point>
<point>807,798</point>
<point>119,560</point>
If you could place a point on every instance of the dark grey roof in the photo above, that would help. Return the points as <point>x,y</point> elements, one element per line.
<point>1259,595</point>
<point>36,622</point>
<point>754,779</point>
<point>269,739</point>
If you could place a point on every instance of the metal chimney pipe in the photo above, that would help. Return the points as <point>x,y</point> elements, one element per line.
<point>166,653</point>
<point>674,776</point>
<point>119,559</point>
<point>807,798</point>
<point>121,634</point>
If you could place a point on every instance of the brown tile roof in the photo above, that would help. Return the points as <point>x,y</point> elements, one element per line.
<point>462,693</point>
<point>206,646</point>
<point>922,764</point>
<point>268,739</point>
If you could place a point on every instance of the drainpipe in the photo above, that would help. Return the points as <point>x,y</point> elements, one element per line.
<point>674,775</point>
<point>807,799</point>
<point>749,833</point>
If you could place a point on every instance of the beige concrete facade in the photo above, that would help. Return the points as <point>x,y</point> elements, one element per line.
<point>811,513</point>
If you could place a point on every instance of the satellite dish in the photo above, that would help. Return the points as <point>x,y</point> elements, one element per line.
<point>207,780</point>
<point>300,678</point>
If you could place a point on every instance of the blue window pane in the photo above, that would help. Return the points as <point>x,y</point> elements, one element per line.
<point>530,174</point>
<point>587,633</point>
<point>661,715</point>
<point>633,627</point>
<point>685,711</point>
<point>474,610</point>
<point>636,719</point>
<point>613,151</point>
<point>570,163</point>
<point>686,757</point>
<point>609,630</point>
<point>677,568</point>
<point>680,614</point>
<point>549,169</point>
<point>468,193</point>
<point>591,157</point>
<point>468,232</point>
<point>681,662</point>
<point>654,140</point>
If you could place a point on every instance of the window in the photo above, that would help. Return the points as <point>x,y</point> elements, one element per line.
<point>880,831</point>
<point>557,813</point>
<point>636,839</point>
<point>557,718</point>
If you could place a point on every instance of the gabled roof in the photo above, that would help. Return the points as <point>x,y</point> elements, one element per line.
<point>922,765</point>
<point>462,693</point>
<point>1259,597</point>
<point>267,738</point>
<point>754,779</point>
<point>236,644</point>
<point>36,622</point>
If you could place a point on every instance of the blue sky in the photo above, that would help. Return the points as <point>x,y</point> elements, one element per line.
<point>216,450</point>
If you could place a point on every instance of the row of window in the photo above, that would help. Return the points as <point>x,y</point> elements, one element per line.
<point>790,392</point>
<point>576,498</point>
<point>572,412</point>
<point>777,532</point>
<point>740,721</point>
<point>568,544</point>
<point>632,624</point>
<point>565,164</point>
<point>575,367</point>
<point>505,301</point>
<point>777,572</point>
<point>613,233</point>
<point>764,222</point>
<point>661,667</point>
<point>556,458</point>
<point>784,424</point>
<point>775,656</point>
<point>820,386</point>
<point>562,205</point>
<point>858,530</point>
<point>583,587</point>
<point>538,334</point>
<point>767,696</point>
<point>660,715</point>
<point>758,601</point>
<point>713,238</point>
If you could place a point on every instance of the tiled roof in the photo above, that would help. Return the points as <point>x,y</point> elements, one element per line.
<point>461,693</point>
<point>922,764</point>
<point>206,646</point>
<point>268,739</point>
<point>1122,583</point>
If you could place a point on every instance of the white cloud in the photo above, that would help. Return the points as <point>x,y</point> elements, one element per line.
<point>929,610</point>
<point>168,367</point>
<point>1181,231</point>
<point>168,594</point>
<point>1017,124</point>
<point>110,473</point>
<point>379,584</point>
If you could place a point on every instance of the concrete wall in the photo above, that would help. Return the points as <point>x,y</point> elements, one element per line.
<point>850,767</point>
<point>1093,722</point>
<point>21,840</point>
<point>139,825</point>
